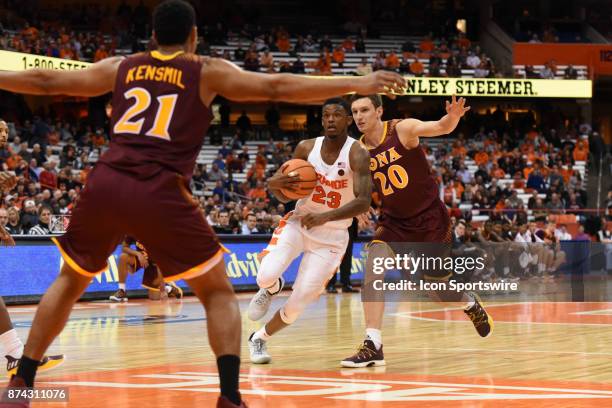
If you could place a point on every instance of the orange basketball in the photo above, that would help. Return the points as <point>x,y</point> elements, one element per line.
<point>307,175</point>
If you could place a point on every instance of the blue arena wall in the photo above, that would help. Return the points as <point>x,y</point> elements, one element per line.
<point>29,268</point>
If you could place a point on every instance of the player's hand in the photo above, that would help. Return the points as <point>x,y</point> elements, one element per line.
<point>364,220</point>
<point>456,107</point>
<point>285,182</point>
<point>143,260</point>
<point>314,220</point>
<point>8,181</point>
<point>387,82</point>
<point>6,238</point>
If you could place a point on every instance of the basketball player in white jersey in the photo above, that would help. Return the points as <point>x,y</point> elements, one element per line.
<point>318,227</point>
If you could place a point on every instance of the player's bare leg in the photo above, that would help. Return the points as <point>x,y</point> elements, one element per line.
<point>224,324</point>
<point>126,267</point>
<point>51,317</point>
<point>370,353</point>
<point>11,344</point>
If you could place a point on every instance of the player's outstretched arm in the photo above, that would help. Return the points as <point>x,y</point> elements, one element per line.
<point>96,80</point>
<point>362,186</point>
<point>281,181</point>
<point>414,128</point>
<point>221,77</point>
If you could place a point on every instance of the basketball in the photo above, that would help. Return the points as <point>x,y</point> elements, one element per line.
<point>307,175</point>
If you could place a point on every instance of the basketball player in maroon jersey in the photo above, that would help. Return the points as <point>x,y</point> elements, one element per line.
<point>10,344</point>
<point>161,112</point>
<point>411,210</point>
<point>130,261</point>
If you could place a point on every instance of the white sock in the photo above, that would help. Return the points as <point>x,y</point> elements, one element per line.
<point>470,303</point>
<point>376,336</point>
<point>122,285</point>
<point>261,334</point>
<point>11,344</point>
<point>541,268</point>
<point>274,288</point>
<point>168,288</point>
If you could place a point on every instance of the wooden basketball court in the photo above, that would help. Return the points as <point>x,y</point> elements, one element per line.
<point>147,353</point>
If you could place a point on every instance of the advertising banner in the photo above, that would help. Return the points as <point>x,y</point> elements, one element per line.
<point>29,269</point>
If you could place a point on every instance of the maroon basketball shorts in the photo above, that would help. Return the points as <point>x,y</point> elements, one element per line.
<point>158,212</point>
<point>427,234</point>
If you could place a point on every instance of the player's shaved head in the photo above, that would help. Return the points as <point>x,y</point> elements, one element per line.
<point>340,102</point>
<point>173,21</point>
<point>336,118</point>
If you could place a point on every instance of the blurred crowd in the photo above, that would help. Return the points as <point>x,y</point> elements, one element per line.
<point>512,173</point>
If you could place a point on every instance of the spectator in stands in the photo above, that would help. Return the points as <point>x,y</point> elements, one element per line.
<point>239,53</point>
<point>404,66</point>
<point>267,61</point>
<point>408,47</point>
<point>364,67</point>
<point>249,226</point>
<point>473,61</point>
<point>48,177</point>
<point>536,181</point>
<point>13,225</point>
<point>244,122</point>
<point>264,224</point>
<point>573,205</point>
<point>481,71</point>
<point>251,62</point>
<point>338,56</point>
<point>530,72</point>
<point>223,223</point>
<point>434,70</point>
<point>68,156</point>
<point>417,68</point>
<point>244,155</point>
<point>101,53</point>
<point>392,62</point>
<point>581,151</point>
<point>215,173</point>
<point>547,73</point>
<point>273,117</point>
<point>44,221</point>
<point>554,177</point>
<point>233,163</point>
<point>379,61</point>
<point>561,233</point>
<point>348,45</point>
<point>535,39</point>
<point>555,206</point>
<point>323,64</point>
<point>300,45</point>
<point>219,161</point>
<point>298,66</point>
<point>360,46</point>
<point>453,66</point>
<point>220,191</point>
<point>570,72</point>
<point>258,192</point>
<point>581,235</point>
<point>282,43</point>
